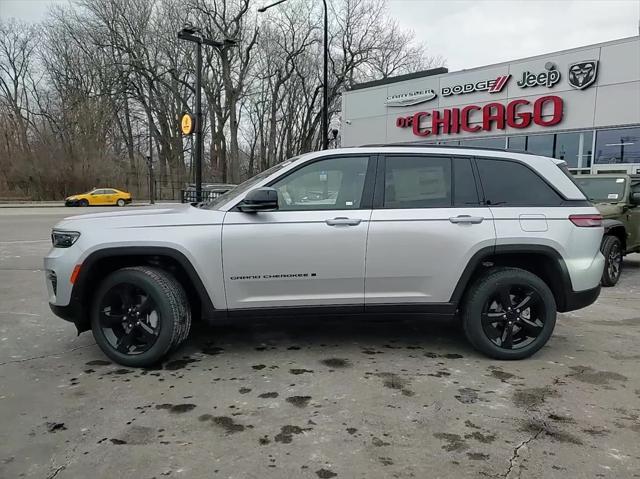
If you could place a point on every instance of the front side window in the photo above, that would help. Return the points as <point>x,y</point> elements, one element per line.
<point>618,146</point>
<point>417,182</point>
<point>508,183</point>
<point>334,183</point>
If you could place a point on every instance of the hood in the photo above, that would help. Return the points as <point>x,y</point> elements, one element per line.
<point>144,217</point>
<point>609,210</point>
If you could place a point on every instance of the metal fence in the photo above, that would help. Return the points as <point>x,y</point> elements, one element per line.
<point>189,195</point>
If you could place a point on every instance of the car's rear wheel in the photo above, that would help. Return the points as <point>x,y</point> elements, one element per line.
<point>83,203</point>
<point>611,249</point>
<point>139,314</point>
<point>121,202</point>
<point>509,313</point>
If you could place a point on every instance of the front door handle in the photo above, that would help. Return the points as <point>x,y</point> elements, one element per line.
<point>343,221</point>
<point>466,219</point>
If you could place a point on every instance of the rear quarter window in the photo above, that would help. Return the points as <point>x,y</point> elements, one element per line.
<point>509,183</point>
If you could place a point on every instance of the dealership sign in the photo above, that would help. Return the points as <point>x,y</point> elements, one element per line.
<point>518,114</point>
<point>411,98</point>
<point>547,78</point>
<point>582,74</point>
<point>492,86</point>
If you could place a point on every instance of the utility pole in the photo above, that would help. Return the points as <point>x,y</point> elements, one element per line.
<point>194,34</point>
<point>150,157</point>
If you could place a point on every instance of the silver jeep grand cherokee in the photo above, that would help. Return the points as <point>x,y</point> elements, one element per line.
<point>498,239</point>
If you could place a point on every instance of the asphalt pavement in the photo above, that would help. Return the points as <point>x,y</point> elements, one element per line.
<point>305,398</point>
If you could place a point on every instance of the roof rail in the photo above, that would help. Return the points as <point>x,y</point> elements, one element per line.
<point>455,147</point>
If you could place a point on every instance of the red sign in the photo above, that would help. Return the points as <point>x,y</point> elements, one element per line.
<point>516,114</point>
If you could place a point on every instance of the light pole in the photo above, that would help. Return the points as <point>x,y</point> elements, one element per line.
<point>325,81</point>
<point>193,34</point>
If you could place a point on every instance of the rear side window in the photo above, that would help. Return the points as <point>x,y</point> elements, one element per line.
<point>507,183</point>
<point>464,185</point>
<point>417,182</point>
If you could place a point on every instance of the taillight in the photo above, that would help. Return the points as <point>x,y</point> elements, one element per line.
<point>586,221</point>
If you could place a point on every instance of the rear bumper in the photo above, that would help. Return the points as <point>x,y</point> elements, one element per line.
<point>580,299</point>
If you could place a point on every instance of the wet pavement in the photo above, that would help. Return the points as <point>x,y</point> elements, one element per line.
<point>319,398</point>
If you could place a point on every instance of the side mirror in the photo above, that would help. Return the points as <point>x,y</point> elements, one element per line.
<point>260,199</point>
<point>634,199</point>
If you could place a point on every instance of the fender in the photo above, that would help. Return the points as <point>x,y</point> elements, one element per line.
<point>609,224</point>
<point>78,293</point>
<point>564,298</point>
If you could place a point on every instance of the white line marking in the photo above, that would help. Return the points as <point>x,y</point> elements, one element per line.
<point>18,312</point>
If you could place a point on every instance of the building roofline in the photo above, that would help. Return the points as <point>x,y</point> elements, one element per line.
<point>443,70</point>
<point>408,76</point>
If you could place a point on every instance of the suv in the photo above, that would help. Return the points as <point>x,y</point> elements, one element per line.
<point>617,197</point>
<point>499,240</point>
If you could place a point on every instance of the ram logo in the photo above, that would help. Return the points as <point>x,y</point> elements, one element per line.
<point>583,74</point>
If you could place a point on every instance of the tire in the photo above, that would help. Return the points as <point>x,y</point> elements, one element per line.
<point>83,203</point>
<point>611,249</point>
<point>120,202</point>
<point>501,333</point>
<point>162,325</point>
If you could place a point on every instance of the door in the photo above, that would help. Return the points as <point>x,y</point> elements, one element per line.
<point>311,251</point>
<point>96,197</point>
<point>426,225</point>
<point>110,197</point>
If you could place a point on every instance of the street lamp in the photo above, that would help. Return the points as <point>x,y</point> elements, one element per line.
<point>325,100</point>
<point>194,34</point>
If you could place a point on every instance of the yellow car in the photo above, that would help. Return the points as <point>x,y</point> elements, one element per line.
<point>100,197</point>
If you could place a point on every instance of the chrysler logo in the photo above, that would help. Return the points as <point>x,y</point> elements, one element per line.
<point>411,98</point>
<point>583,74</point>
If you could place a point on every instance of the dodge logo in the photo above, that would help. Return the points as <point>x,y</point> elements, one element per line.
<point>583,74</point>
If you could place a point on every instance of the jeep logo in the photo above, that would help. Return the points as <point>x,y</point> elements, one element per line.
<point>548,79</point>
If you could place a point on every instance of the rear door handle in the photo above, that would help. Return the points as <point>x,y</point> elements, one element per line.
<point>343,221</point>
<point>466,219</point>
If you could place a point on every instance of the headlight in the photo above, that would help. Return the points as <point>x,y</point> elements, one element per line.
<point>64,239</point>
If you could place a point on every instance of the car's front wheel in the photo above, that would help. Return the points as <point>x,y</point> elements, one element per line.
<point>139,314</point>
<point>611,249</point>
<point>121,202</point>
<point>509,313</point>
<point>83,203</point>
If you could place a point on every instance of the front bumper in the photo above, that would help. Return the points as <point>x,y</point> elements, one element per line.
<point>71,202</point>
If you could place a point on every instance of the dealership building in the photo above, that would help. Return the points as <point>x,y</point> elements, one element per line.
<point>581,105</point>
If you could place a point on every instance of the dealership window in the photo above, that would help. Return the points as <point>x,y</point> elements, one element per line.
<point>621,145</point>
<point>417,182</point>
<point>574,148</point>
<point>508,183</point>
<point>540,145</point>
<point>517,143</point>
<point>485,142</point>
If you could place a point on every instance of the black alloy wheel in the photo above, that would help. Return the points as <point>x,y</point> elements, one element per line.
<point>83,203</point>
<point>611,249</point>
<point>508,313</point>
<point>513,317</point>
<point>129,319</point>
<point>139,314</point>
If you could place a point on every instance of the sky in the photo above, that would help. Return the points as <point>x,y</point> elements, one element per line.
<point>472,33</point>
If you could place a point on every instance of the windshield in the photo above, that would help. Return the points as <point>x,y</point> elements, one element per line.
<point>602,189</point>
<point>245,186</point>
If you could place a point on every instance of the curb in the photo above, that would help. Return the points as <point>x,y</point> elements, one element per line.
<point>61,205</point>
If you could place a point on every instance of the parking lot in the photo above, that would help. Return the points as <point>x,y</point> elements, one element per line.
<point>312,398</point>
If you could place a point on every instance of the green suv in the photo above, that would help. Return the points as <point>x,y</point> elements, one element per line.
<point>617,197</point>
